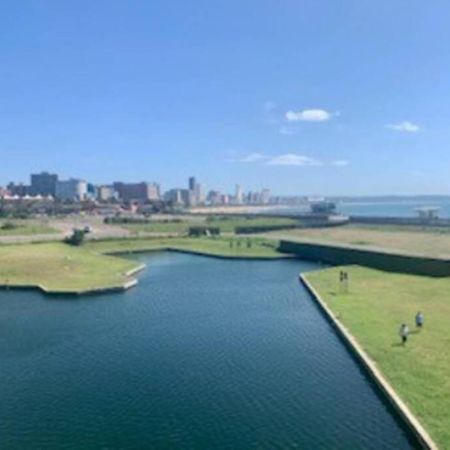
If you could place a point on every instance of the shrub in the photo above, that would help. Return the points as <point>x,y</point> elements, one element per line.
<point>203,231</point>
<point>250,229</point>
<point>9,226</point>
<point>77,237</point>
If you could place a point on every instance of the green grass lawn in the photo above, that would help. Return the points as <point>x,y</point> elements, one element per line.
<point>429,241</point>
<point>60,267</point>
<point>218,246</point>
<point>226,225</point>
<point>376,305</point>
<point>24,228</point>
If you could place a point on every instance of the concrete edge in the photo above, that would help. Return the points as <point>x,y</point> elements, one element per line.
<point>94,291</point>
<point>136,270</point>
<point>200,253</point>
<point>411,421</point>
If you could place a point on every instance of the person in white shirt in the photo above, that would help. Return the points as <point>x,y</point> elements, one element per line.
<point>404,332</point>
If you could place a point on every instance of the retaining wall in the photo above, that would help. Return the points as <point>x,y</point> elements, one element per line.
<point>377,259</point>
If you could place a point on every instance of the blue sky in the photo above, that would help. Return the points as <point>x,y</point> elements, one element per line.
<point>304,97</point>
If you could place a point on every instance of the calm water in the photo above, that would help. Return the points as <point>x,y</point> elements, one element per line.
<point>204,353</point>
<point>401,208</point>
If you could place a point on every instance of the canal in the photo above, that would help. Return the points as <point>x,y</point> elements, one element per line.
<point>204,353</point>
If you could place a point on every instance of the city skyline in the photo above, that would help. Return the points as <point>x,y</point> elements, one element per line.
<point>48,186</point>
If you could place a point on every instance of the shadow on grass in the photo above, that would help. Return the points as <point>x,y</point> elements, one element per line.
<point>398,344</point>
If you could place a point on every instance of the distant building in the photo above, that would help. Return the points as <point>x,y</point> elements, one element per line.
<point>428,213</point>
<point>106,193</point>
<point>186,196</point>
<point>137,191</point>
<point>200,194</point>
<point>19,190</point>
<point>321,207</point>
<point>253,198</point>
<point>174,196</point>
<point>197,192</point>
<point>154,191</point>
<point>239,198</point>
<point>265,196</point>
<point>214,198</point>
<point>44,183</point>
<point>91,191</point>
<point>192,195</point>
<point>71,190</point>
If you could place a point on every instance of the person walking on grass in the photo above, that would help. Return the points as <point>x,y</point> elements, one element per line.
<point>419,319</point>
<point>404,332</point>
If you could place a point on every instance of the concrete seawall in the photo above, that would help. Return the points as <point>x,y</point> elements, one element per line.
<point>376,259</point>
<point>386,389</point>
<point>401,221</point>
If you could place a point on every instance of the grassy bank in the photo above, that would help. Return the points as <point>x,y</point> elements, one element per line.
<point>407,240</point>
<point>378,302</point>
<point>226,224</point>
<point>24,228</point>
<point>220,246</point>
<point>59,267</point>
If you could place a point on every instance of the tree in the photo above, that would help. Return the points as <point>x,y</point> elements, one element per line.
<point>77,237</point>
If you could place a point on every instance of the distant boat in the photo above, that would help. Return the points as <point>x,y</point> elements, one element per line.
<point>322,207</point>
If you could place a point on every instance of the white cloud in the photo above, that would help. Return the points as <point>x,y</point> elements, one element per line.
<point>405,127</point>
<point>309,115</point>
<point>341,163</point>
<point>252,157</point>
<point>292,159</point>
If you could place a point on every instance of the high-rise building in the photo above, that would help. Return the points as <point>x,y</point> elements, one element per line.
<point>44,183</point>
<point>197,192</point>
<point>71,190</point>
<point>106,193</point>
<point>265,196</point>
<point>174,196</point>
<point>153,191</point>
<point>214,197</point>
<point>20,190</point>
<point>238,195</point>
<point>137,191</point>
<point>200,194</point>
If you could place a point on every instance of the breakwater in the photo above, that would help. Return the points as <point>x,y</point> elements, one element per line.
<point>401,221</point>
